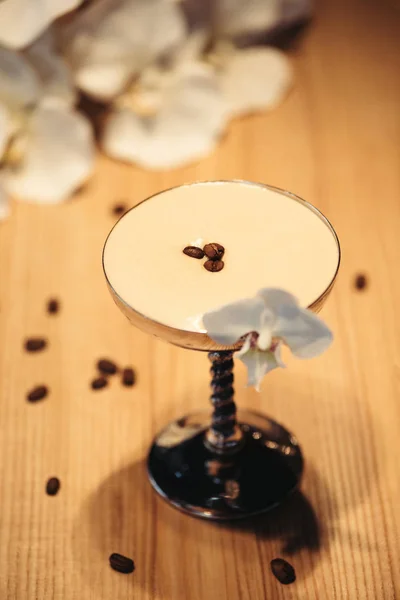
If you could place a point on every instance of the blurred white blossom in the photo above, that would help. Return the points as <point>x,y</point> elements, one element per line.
<point>46,147</point>
<point>56,157</point>
<point>251,79</point>
<point>171,116</point>
<point>56,83</point>
<point>21,21</point>
<point>113,40</point>
<point>170,74</point>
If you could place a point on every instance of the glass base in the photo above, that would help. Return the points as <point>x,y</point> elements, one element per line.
<point>256,478</point>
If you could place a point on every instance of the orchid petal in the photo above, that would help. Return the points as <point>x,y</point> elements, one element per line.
<point>274,298</point>
<point>4,202</point>
<point>191,119</point>
<point>255,79</point>
<point>58,157</point>
<point>55,78</point>
<point>19,85</point>
<point>258,365</point>
<point>246,346</point>
<point>236,18</point>
<point>305,333</point>
<point>278,355</point>
<point>23,20</point>
<point>111,42</point>
<point>226,325</point>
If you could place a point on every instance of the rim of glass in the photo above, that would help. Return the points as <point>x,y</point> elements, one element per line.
<point>307,204</point>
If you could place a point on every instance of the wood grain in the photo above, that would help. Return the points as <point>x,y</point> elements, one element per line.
<point>336,142</point>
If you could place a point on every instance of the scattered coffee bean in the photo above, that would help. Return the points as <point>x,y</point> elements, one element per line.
<point>283,571</point>
<point>38,393</point>
<point>107,367</point>
<point>35,344</point>
<point>214,265</point>
<point>99,383</point>
<point>122,564</point>
<point>193,252</point>
<point>119,209</point>
<point>53,306</point>
<point>360,282</point>
<point>128,376</point>
<point>214,251</point>
<point>52,486</point>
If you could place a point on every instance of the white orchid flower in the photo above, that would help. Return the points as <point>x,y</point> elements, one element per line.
<point>57,155</point>
<point>112,41</point>
<point>54,76</point>
<point>22,21</point>
<point>173,115</point>
<point>252,79</point>
<point>46,147</point>
<point>265,322</point>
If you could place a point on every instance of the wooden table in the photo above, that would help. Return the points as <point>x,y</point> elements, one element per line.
<point>335,141</point>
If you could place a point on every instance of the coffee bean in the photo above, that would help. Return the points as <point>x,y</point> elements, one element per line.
<point>360,282</point>
<point>38,393</point>
<point>99,383</point>
<point>53,306</point>
<point>122,564</point>
<point>128,377</point>
<point>214,265</point>
<point>214,251</point>
<point>107,367</point>
<point>193,252</point>
<point>119,209</point>
<point>35,344</point>
<point>283,571</point>
<point>52,486</point>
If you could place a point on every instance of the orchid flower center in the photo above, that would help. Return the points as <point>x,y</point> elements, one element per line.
<point>253,339</point>
<point>253,336</point>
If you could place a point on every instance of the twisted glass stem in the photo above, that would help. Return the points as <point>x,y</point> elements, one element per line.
<point>224,434</point>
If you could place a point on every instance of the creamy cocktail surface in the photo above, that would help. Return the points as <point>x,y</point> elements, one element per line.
<point>270,240</point>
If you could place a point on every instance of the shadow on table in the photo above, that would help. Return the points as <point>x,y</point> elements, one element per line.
<point>125,515</point>
<point>294,524</point>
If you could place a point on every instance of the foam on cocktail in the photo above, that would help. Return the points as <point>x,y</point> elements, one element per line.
<point>270,240</point>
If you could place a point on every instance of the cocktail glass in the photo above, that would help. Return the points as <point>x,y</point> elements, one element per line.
<point>235,463</point>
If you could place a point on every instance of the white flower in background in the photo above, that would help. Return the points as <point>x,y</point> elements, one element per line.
<point>252,79</point>
<point>172,115</point>
<point>169,112</point>
<point>170,93</point>
<point>175,113</point>
<point>22,21</point>
<point>265,322</point>
<point>54,77</point>
<point>46,147</point>
<point>112,41</point>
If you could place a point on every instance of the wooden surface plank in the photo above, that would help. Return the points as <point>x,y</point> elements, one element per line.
<point>336,142</point>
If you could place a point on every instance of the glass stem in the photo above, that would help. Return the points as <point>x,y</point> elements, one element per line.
<point>224,434</point>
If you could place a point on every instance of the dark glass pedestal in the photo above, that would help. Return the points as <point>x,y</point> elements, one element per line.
<point>259,476</point>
